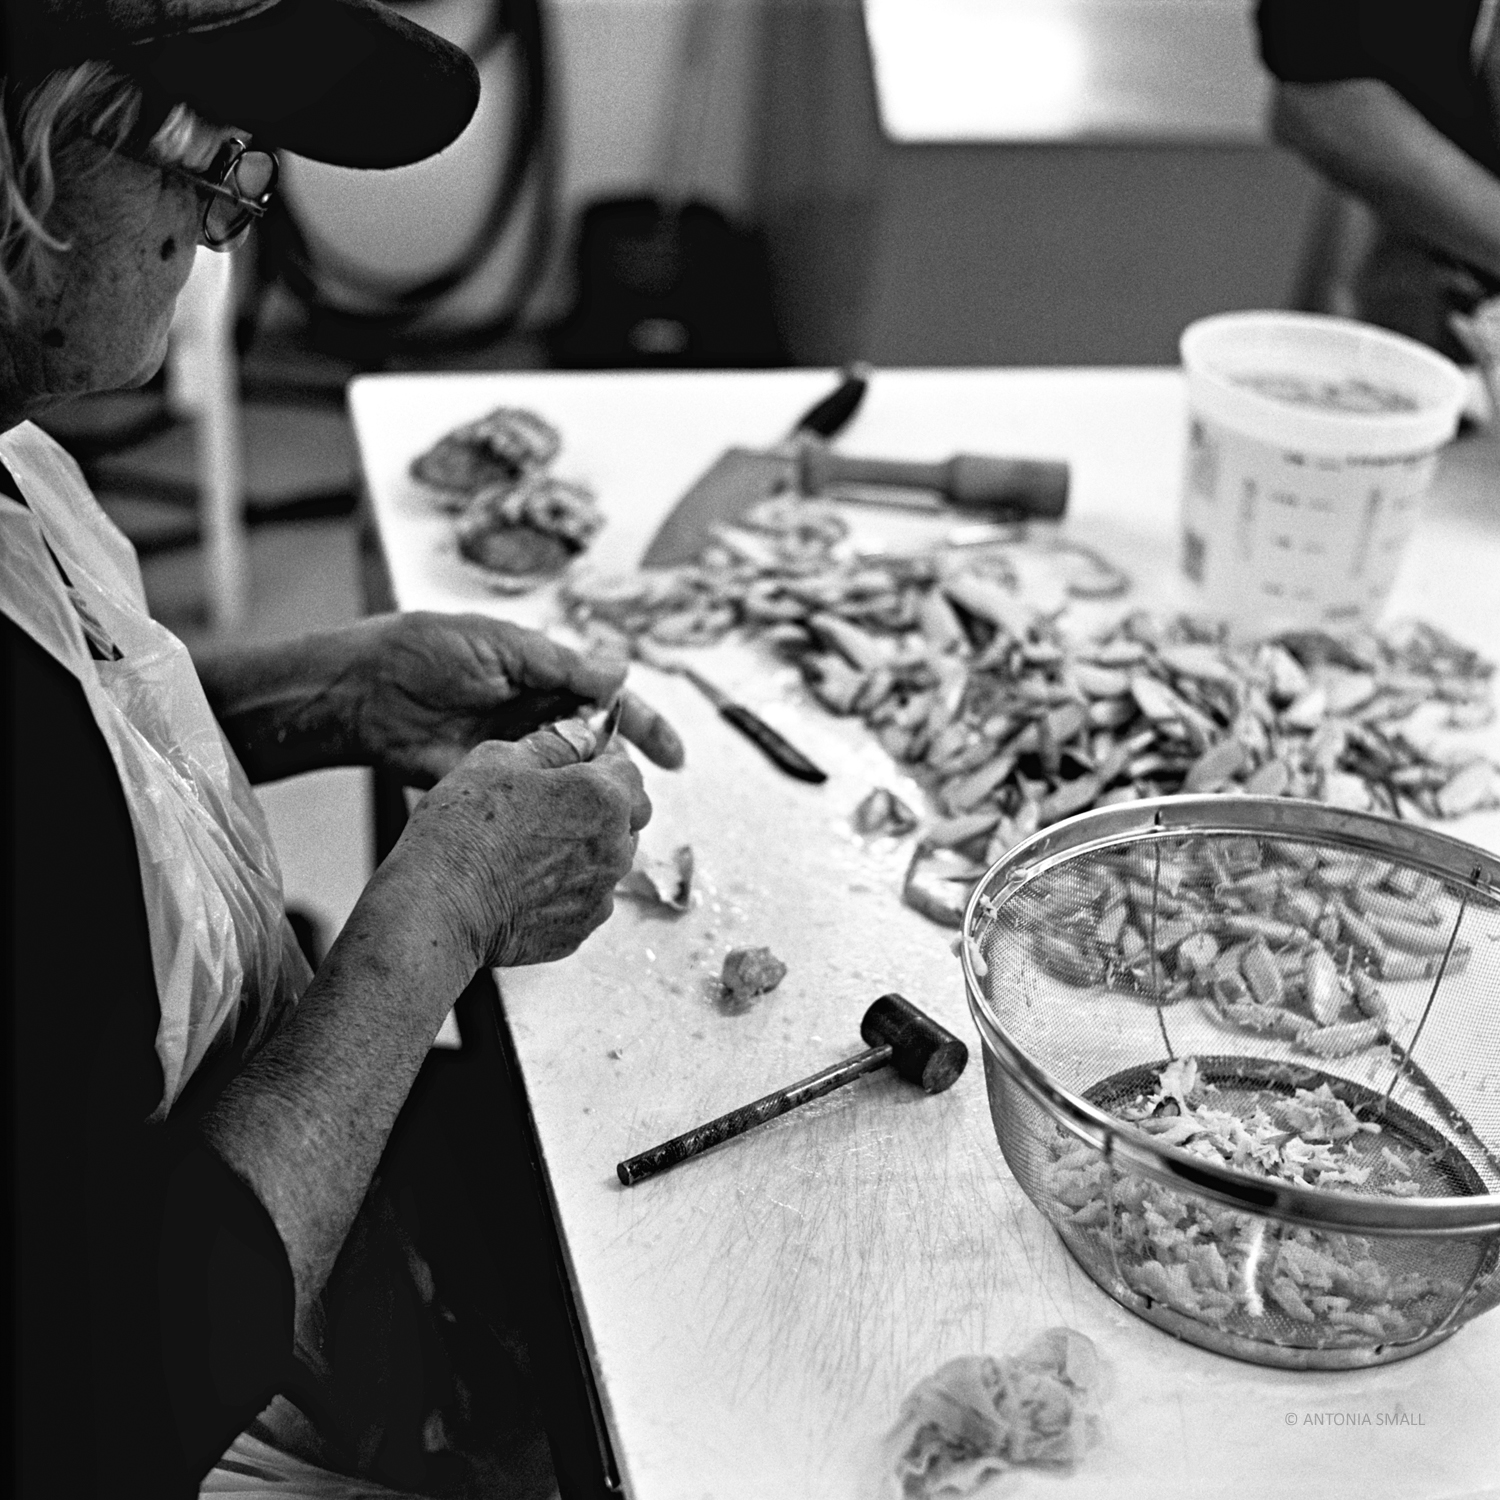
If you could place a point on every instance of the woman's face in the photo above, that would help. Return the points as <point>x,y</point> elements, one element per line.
<point>131,231</point>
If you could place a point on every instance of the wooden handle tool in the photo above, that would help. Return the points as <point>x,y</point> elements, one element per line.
<point>1015,488</point>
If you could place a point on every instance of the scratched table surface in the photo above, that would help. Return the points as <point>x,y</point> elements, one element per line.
<point>756,1316</point>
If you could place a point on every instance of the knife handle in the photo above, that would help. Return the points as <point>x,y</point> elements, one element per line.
<point>831,415</point>
<point>968,481</point>
<point>776,749</point>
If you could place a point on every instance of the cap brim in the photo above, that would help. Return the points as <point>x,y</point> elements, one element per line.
<point>341,81</point>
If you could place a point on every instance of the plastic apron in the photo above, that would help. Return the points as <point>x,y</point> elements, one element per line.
<point>225,960</point>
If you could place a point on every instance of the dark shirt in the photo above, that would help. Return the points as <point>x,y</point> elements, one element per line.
<point>1421,48</point>
<point>152,1299</point>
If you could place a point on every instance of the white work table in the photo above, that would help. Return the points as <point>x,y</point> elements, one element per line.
<point>754,1317</point>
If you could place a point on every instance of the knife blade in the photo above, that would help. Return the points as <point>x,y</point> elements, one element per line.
<point>742,477</point>
<point>1001,489</point>
<point>770,742</point>
<point>605,734</point>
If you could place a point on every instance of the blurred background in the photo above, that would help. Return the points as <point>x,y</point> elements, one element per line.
<point>698,183</point>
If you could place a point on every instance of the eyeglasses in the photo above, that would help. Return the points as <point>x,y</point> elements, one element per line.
<point>236,188</point>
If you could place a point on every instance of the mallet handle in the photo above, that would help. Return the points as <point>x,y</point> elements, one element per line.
<point>694,1142</point>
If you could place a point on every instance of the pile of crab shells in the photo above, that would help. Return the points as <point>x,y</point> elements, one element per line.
<point>513,517</point>
<point>1268,935</point>
<point>1013,716</point>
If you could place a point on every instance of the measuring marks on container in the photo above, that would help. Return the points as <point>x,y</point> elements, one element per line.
<point>1301,532</point>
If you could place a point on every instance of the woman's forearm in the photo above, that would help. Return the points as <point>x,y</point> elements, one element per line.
<point>511,859</point>
<point>1364,136</point>
<point>285,706</point>
<point>306,1121</point>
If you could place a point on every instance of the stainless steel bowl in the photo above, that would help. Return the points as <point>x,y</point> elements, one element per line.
<point>1312,963</point>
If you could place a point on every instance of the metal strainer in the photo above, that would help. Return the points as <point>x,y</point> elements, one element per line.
<point>1244,1054</point>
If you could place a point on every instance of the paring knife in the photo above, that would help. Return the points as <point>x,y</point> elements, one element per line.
<point>773,745</point>
<point>605,734</point>
<point>999,488</point>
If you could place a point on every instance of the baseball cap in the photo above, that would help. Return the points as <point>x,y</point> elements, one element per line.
<point>349,82</point>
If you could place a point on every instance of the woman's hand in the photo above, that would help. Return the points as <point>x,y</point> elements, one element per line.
<point>411,694</point>
<point>520,847</point>
<point>436,685</point>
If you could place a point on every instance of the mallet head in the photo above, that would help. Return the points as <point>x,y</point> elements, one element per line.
<point>922,1051</point>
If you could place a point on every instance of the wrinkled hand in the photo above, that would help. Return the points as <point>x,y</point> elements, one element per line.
<point>433,686</point>
<point>521,847</point>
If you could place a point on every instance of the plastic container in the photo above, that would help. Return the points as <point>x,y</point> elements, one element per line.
<point>1296,510</point>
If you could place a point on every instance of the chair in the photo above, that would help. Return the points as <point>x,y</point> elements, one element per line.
<point>203,387</point>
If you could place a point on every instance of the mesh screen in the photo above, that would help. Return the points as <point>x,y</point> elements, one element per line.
<point>1285,1008</point>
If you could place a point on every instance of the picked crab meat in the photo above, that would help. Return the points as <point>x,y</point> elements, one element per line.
<point>883,812</point>
<point>667,881</point>
<point>977,1417</point>
<point>750,972</point>
<point>1234,1271</point>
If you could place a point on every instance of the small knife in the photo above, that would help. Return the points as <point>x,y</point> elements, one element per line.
<point>773,745</point>
<point>605,734</point>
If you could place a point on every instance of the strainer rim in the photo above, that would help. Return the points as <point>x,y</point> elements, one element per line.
<point>1451,858</point>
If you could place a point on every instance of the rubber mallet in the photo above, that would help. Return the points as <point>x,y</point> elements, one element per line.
<point>899,1036</point>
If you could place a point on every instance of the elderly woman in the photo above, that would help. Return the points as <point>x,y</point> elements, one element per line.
<point>198,1117</point>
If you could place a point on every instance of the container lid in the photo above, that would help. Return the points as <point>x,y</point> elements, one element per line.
<point>1219,353</point>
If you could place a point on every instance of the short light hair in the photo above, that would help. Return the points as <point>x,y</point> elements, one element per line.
<point>93,98</point>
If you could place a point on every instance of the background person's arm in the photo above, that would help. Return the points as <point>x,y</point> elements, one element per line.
<point>1366,138</point>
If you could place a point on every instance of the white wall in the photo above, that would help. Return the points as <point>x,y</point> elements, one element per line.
<point>1067,70</point>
